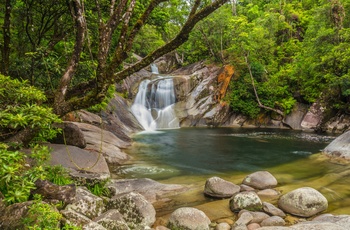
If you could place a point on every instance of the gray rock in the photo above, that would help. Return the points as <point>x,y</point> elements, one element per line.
<point>342,220</point>
<point>217,187</point>
<point>246,188</point>
<point>111,144</point>
<point>337,124</point>
<point>253,226</point>
<point>189,219</point>
<point>71,135</point>
<point>295,118</point>
<point>258,217</point>
<point>12,215</point>
<point>260,180</point>
<point>339,147</point>
<point>245,200</point>
<point>136,210</point>
<point>74,218</point>
<point>273,210</point>
<point>62,155</point>
<point>317,226</point>
<point>313,117</point>
<point>304,202</point>
<point>87,203</point>
<point>244,219</point>
<point>112,220</point>
<point>268,192</point>
<point>53,193</point>
<point>150,189</point>
<point>273,221</point>
<point>93,226</point>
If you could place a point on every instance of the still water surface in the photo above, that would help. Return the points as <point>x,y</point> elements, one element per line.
<point>191,155</point>
<point>201,151</point>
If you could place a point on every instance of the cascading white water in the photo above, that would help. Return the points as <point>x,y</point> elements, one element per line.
<point>154,104</point>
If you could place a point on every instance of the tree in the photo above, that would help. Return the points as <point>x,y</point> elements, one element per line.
<point>100,35</point>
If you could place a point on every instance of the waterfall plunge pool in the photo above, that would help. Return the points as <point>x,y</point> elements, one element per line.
<point>189,156</point>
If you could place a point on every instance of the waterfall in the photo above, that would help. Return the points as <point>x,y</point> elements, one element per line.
<point>154,104</point>
<point>154,69</point>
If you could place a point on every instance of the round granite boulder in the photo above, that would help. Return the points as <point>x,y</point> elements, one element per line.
<point>260,180</point>
<point>220,188</point>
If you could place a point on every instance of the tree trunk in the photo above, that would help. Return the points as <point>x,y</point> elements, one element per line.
<point>5,62</point>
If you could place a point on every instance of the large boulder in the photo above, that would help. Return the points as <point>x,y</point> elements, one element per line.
<point>104,141</point>
<point>245,200</point>
<point>189,219</point>
<point>87,203</point>
<point>295,118</point>
<point>75,159</point>
<point>220,188</point>
<point>136,210</point>
<point>150,189</point>
<point>112,219</point>
<point>339,147</point>
<point>12,215</point>
<point>53,193</point>
<point>304,202</point>
<point>71,135</point>
<point>260,180</point>
<point>313,117</point>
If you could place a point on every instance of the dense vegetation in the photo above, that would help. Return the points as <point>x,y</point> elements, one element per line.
<point>298,51</point>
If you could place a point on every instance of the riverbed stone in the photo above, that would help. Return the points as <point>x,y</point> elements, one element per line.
<point>87,203</point>
<point>223,226</point>
<point>74,218</point>
<point>273,221</point>
<point>258,217</point>
<point>273,210</point>
<point>245,200</point>
<point>304,202</point>
<point>112,219</point>
<point>253,226</point>
<point>260,180</point>
<point>189,219</point>
<point>136,210</point>
<point>339,147</point>
<point>244,219</point>
<point>220,188</point>
<point>268,193</point>
<point>342,220</point>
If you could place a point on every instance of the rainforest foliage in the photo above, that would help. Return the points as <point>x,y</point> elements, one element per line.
<point>74,51</point>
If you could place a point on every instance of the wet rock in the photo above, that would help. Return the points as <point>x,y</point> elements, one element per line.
<point>112,219</point>
<point>223,226</point>
<point>317,226</point>
<point>136,210</point>
<point>53,193</point>
<point>304,202</point>
<point>273,221</point>
<point>245,200</point>
<point>217,187</point>
<point>150,189</point>
<point>87,203</point>
<point>188,218</point>
<point>339,147</point>
<point>337,124</point>
<point>273,210</point>
<point>260,180</point>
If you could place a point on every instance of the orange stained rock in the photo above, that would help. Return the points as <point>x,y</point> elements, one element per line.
<point>224,79</point>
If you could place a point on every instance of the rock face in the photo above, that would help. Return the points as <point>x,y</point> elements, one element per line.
<point>245,200</point>
<point>340,147</point>
<point>260,180</point>
<point>217,187</point>
<point>189,219</point>
<point>12,215</point>
<point>313,117</point>
<point>112,219</point>
<point>304,202</point>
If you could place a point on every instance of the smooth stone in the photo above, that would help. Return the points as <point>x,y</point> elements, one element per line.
<point>220,188</point>
<point>245,200</point>
<point>253,226</point>
<point>223,226</point>
<point>273,210</point>
<point>273,221</point>
<point>188,218</point>
<point>260,180</point>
